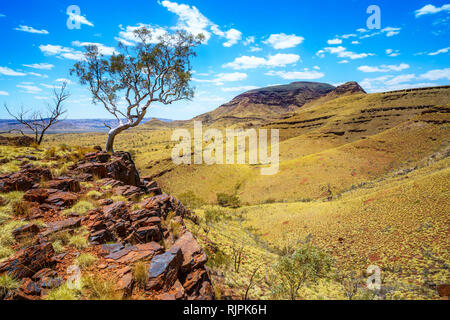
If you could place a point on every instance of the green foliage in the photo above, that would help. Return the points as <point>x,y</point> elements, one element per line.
<point>228,200</point>
<point>81,208</point>
<point>7,284</point>
<point>85,260</point>
<point>140,273</point>
<point>307,265</point>
<point>78,241</point>
<point>190,200</point>
<point>63,292</point>
<point>98,288</point>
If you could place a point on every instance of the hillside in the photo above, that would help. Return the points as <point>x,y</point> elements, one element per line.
<point>259,105</point>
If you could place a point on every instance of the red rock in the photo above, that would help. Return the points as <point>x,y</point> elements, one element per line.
<point>24,179</point>
<point>443,290</point>
<point>164,269</point>
<point>117,209</point>
<point>62,199</point>
<point>27,261</point>
<point>53,227</point>
<point>126,284</point>
<point>150,233</point>
<point>36,195</point>
<point>193,255</point>
<point>128,191</point>
<point>28,230</point>
<point>30,287</point>
<point>64,184</point>
<point>95,169</point>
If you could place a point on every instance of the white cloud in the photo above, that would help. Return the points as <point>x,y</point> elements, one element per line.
<point>252,62</point>
<point>4,93</point>
<point>223,77</point>
<point>361,30</point>
<point>334,41</point>
<point>444,50</point>
<point>233,36</point>
<point>30,30</point>
<point>384,68</point>
<point>193,21</point>
<point>61,52</point>
<point>346,36</point>
<point>29,88</point>
<point>41,98</point>
<point>249,40</point>
<point>79,19</point>
<point>343,61</point>
<point>284,41</point>
<point>2,15</point>
<point>400,79</point>
<point>390,31</point>
<point>342,52</point>
<point>49,86</point>
<point>9,72</point>
<point>64,80</point>
<point>355,42</point>
<point>128,37</point>
<point>102,49</point>
<point>40,66</point>
<point>38,75</point>
<point>392,52</point>
<point>431,9</point>
<point>437,74</point>
<point>297,75</point>
<point>255,49</point>
<point>239,89</point>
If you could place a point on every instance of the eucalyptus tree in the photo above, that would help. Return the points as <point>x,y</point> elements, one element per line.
<point>155,70</point>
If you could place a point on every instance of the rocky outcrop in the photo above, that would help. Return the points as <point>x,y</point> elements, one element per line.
<point>119,233</point>
<point>19,141</point>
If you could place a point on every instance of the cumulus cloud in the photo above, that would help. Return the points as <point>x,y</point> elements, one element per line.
<point>61,52</point>
<point>334,41</point>
<point>431,9</point>
<point>79,19</point>
<point>220,78</point>
<point>193,21</point>
<point>342,52</point>
<point>392,52</point>
<point>384,68</point>
<point>10,72</point>
<point>102,49</point>
<point>390,31</point>
<point>297,75</point>
<point>30,30</point>
<point>4,93</point>
<point>252,62</point>
<point>40,66</point>
<point>284,41</point>
<point>437,74</point>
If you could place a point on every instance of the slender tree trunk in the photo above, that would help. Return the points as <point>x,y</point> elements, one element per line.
<point>112,135</point>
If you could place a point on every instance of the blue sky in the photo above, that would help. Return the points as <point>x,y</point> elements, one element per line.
<point>250,44</point>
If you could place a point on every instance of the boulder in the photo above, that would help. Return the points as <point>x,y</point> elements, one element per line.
<point>128,191</point>
<point>36,195</point>
<point>193,255</point>
<point>28,230</point>
<point>443,290</point>
<point>24,179</point>
<point>62,199</point>
<point>29,260</point>
<point>163,270</point>
<point>64,184</point>
<point>116,209</point>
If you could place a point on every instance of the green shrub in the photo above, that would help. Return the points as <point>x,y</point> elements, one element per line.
<point>85,260</point>
<point>79,242</point>
<point>190,200</point>
<point>98,288</point>
<point>7,284</point>
<point>307,265</point>
<point>228,200</point>
<point>81,208</point>
<point>63,292</point>
<point>94,194</point>
<point>140,273</point>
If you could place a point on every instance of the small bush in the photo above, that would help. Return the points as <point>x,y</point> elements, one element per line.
<point>58,246</point>
<point>21,208</point>
<point>79,242</point>
<point>85,260</point>
<point>94,194</point>
<point>7,284</point>
<point>81,207</point>
<point>307,265</point>
<point>99,288</point>
<point>140,273</point>
<point>190,200</point>
<point>50,152</point>
<point>63,292</point>
<point>228,200</point>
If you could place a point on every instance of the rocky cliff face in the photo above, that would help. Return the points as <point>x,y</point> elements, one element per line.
<point>268,103</point>
<point>144,226</point>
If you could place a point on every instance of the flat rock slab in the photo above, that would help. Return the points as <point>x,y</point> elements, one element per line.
<point>132,254</point>
<point>57,226</point>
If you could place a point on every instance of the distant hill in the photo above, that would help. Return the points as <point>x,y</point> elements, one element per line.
<point>71,125</point>
<point>263,104</point>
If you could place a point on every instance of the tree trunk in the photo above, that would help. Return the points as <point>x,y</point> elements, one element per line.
<point>112,135</point>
